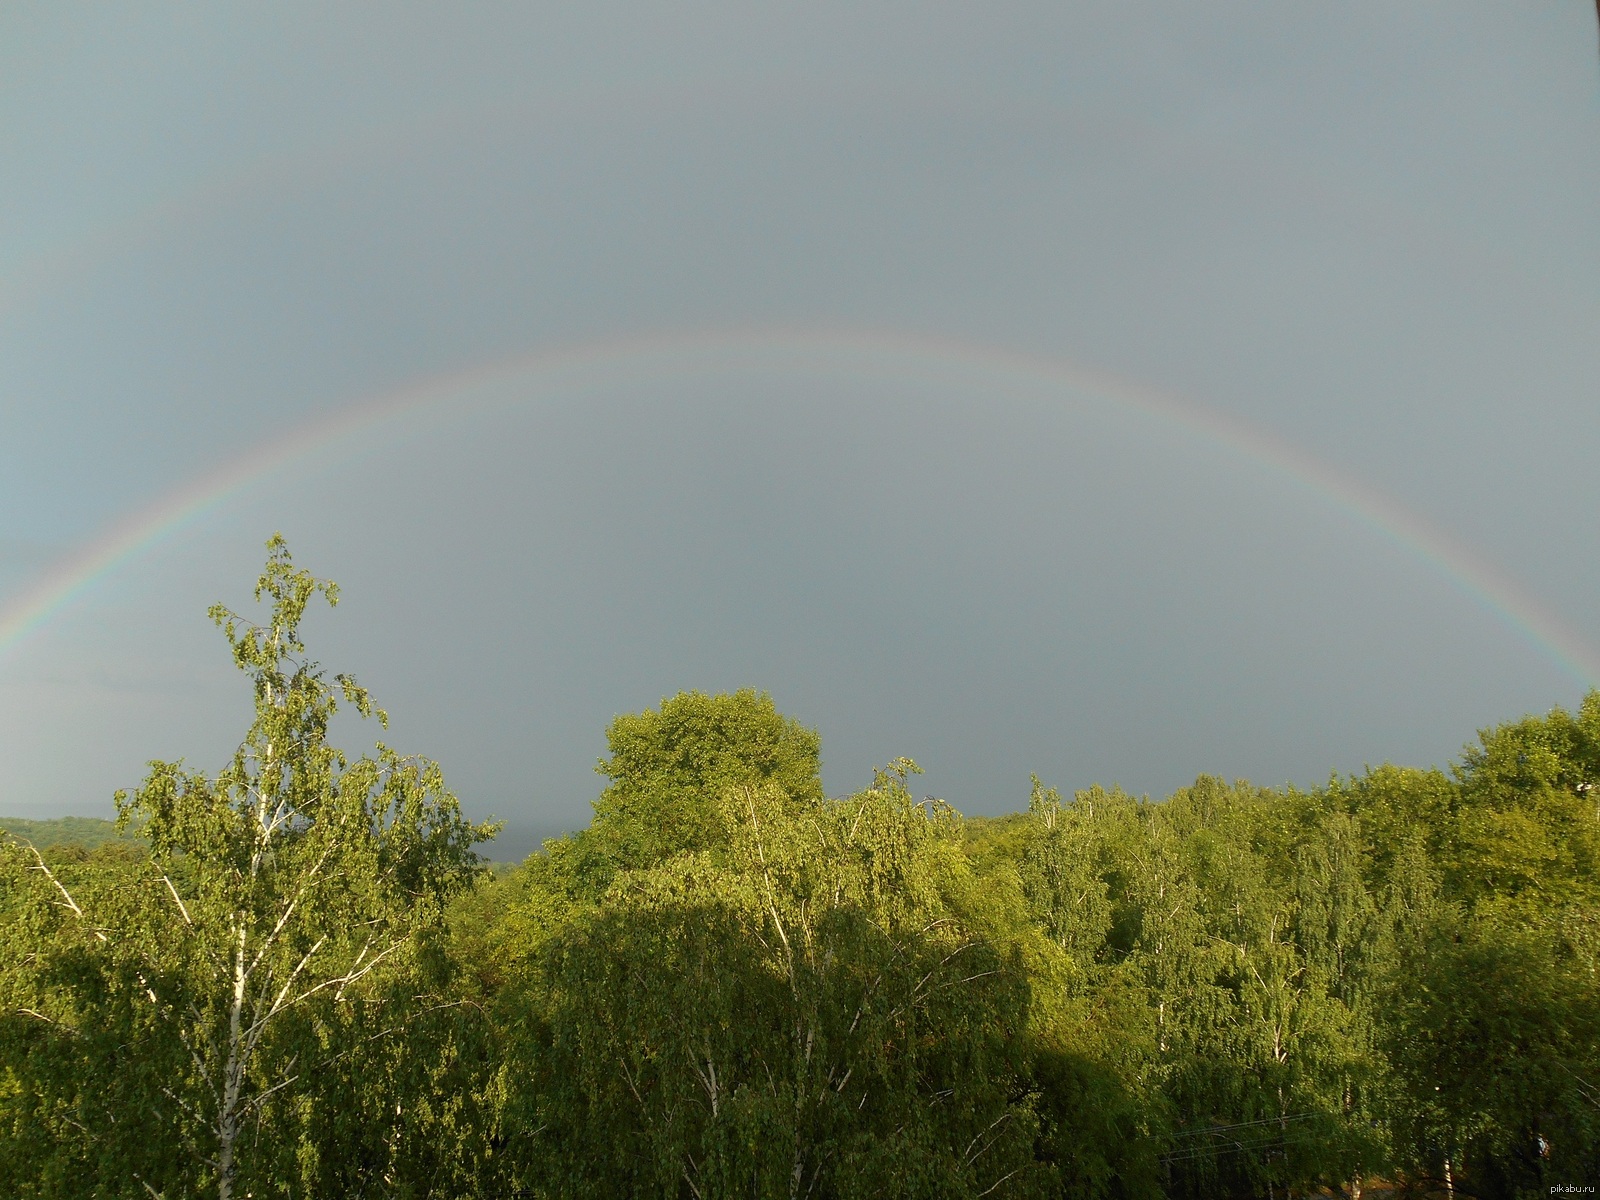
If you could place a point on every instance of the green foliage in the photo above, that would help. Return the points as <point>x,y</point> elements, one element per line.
<point>669,769</point>
<point>276,896</point>
<point>1494,1037</point>
<point>298,980</point>
<point>802,1014</point>
<point>82,1048</point>
<point>1527,830</point>
<point>88,832</point>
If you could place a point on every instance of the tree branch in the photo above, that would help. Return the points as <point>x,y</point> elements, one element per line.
<point>62,888</point>
<point>177,899</point>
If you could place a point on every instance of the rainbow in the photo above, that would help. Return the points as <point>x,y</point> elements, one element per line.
<point>899,356</point>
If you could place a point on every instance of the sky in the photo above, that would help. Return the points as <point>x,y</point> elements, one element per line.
<point>1112,392</point>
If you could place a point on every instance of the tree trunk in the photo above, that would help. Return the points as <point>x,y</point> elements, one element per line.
<point>232,1079</point>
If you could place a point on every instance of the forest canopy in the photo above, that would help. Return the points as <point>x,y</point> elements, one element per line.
<point>300,979</point>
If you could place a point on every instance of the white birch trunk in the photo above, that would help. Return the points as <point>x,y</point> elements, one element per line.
<point>232,1077</point>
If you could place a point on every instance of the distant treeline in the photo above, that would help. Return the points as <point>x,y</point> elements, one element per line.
<point>87,832</point>
<point>729,984</point>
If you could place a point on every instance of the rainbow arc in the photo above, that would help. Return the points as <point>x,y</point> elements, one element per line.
<point>571,370</point>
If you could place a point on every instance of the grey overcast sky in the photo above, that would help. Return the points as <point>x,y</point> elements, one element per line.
<point>712,318</point>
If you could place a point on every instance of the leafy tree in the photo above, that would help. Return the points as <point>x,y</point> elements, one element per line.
<point>1063,873</point>
<point>1495,1034</point>
<point>1527,826</point>
<point>1492,1012</point>
<point>83,1050</point>
<point>277,894</point>
<point>669,769</point>
<point>800,1015</point>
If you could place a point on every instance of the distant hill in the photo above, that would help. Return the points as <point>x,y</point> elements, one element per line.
<point>63,831</point>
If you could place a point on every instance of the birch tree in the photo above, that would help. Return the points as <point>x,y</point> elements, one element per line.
<point>801,1016</point>
<point>294,878</point>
